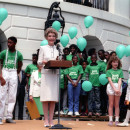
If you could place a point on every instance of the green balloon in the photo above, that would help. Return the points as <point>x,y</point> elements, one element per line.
<point>72,32</point>
<point>81,43</point>
<point>103,79</point>
<point>44,42</point>
<point>56,25</point>
<point>88,21</point>
<point>64,40</point>
<point>120,51</point>
<point>127,51</point>
<point>87,86</point>
<point>3,15</point>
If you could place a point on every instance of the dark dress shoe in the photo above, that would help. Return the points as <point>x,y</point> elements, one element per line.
<point>10,121</point>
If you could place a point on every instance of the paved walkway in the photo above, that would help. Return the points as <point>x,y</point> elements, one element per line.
<point>75,125</point>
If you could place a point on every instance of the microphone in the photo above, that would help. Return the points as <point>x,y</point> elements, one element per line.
<point>58,47</point>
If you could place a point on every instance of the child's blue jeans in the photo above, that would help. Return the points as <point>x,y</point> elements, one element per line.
<point>94,99</point>
<point>73,97</point>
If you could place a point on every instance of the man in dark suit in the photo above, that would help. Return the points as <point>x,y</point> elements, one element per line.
<point>20,95</point>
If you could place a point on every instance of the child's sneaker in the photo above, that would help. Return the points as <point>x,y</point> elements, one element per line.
<point>1,123</point>
<point>70,113</point>
<point>116,123</point>
<point>65,111</point>
<point>83,114</point>
<point>89,114</point>
<point>97,115</point>
<point>56,113</point>
<point>77,114</point>
<point>110,123</point>
<point>61,112</point>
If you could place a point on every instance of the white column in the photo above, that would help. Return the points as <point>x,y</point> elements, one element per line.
<point>120,7</point>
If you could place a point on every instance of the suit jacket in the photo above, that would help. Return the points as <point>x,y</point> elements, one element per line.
<point>35,85</point>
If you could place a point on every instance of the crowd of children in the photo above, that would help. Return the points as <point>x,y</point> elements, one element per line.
<point>100,100</point>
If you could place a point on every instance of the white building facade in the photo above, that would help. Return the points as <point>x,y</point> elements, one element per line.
<point>26,20</point>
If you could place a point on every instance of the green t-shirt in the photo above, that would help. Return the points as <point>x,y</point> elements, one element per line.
<point>69,57</point>
<point>103,64</point>
<point>84,75</point>
<point>11,59</point>
<point>94,72</point>
<point>74,71</point>
<point>115,74</point>
<point>63,78</point>
<point>29,69</point>
<point>89,60</point>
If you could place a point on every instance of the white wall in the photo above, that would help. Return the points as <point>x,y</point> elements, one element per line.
<point>120,7</point>
<point>26,22</point>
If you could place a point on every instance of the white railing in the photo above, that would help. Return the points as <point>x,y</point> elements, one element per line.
<point>99,4</point>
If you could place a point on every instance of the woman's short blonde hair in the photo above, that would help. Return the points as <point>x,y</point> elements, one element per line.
<point>50,30</point>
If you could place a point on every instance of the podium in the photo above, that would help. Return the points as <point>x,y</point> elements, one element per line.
<point>58,64</point>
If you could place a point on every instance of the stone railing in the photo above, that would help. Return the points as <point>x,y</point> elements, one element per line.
<point>99,4</point>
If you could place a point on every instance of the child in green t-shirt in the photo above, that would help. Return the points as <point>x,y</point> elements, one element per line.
<point>103,94</point>
<point>29,69</point>
<point>114,89</point>
<point>113,53</point>
<point>74,51</point>
<point>74,86</point>
<point>34,92</point>
<point>83,94</point>
<point>66,52</point>
<point>93,70</point>
<point>63,92</point>
<point>91,51</point>
<point>101,61</point>
<point>107,56</point>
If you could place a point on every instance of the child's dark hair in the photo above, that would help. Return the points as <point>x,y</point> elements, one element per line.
<point>66,48</point>
<point>94,55</point>
<point>73,45</point>
<point>74,56</point>
<point>102,51</point>
<point>14,39</point>
<point>107,52</point>
<point>83,62</point>
<point>64,57</point>
<point>112,53</point>
<point>113,58</point>
<point>34,55</point>
<point>91,51</point>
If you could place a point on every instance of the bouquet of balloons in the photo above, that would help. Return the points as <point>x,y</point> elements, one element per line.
<point>72,32</point>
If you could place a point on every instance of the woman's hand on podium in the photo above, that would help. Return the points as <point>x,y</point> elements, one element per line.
<point>31,98</point>
<point>44,62</point>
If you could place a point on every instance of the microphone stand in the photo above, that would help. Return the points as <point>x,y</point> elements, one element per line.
<point>59,126</point>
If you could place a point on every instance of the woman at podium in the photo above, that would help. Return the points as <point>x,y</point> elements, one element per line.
<point>49,77</point>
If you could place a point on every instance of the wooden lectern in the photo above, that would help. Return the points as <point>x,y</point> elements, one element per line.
<point>56,64</point>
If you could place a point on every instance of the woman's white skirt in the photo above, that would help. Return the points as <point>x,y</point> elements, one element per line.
<point>49,85</point>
